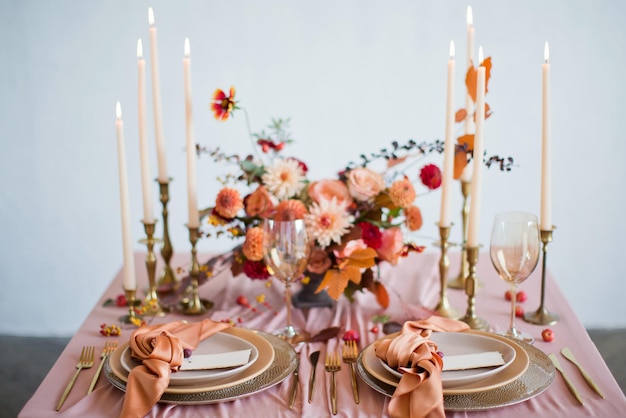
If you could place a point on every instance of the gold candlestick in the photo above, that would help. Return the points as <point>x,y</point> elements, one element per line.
<point>459,281</point>
<point>471,287</point>
<point>167,278</point>
<point>132,317</point>
<point>542,316</point>
<point>192,304</point>
<point>152,302</point>
<point>443,307</point>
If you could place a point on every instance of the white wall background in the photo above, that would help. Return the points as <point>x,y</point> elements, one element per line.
<point>352,75</point>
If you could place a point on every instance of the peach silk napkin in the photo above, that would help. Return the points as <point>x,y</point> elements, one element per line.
<point>420,391</point>
<point>160,349</point>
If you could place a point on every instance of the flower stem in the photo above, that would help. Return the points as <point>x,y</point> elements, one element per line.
<point>254,145</point>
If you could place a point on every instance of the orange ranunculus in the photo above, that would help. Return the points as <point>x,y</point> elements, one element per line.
<point>327,189</point>
<point>413,216</point>
<point>402,193</point>
<point>253,245</point>
<point>392,244</point>
<point>259,203</point>
<point>364,183</point>
<point>223,105</point>
<point>291,209</point>
<point>319,261</point>
<point>228,202</point>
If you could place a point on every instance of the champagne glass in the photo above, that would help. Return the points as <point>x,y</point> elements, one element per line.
<point>286,250</point>
<point>514,251</point>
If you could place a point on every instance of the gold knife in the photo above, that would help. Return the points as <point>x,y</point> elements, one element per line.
<point>313,358</point>
<point>568,355</point>
<point>294,386</point>
<point>568,382</point>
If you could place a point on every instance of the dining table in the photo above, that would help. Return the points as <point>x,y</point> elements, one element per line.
<point>413,287</point>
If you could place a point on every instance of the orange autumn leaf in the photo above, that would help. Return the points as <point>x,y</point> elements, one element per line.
<point>460,115</point>
<point>487,65</point>
<point>460,161</point>
<point>353,274</point>
<point>467,141</point>
<point>382,297</point>
<point>335,281</point>
<point>488,111</point>
<point>470,82</point>
<point>395,161</point>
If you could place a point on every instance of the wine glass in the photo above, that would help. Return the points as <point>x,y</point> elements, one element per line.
<point>286,250</point>
<point>514,251</point>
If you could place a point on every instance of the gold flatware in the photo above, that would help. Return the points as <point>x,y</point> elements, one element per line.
<point>568,355</point>
<point>333,365</point>
<point>568,382</point>
<point>85,361</point>
<point>109,347</point>
<point>350,354</point>
<point>313,358</point>
<point>294,386</point>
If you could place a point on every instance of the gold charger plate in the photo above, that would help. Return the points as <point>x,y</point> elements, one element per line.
<point>538,377</point>
<point>283,363</point>
<point>519,365</point>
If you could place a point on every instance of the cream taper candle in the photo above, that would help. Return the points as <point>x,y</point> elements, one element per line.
<point>546,174</point>
<point>146,183</point>
<point>194,221</point>
<point>475,191</point>
<point>448,148</point>
<point>467,127</point>
<point>129,280</point>
<point>156,98</point>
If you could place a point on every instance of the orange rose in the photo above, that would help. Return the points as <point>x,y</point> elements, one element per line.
<point>259,203</point>
<point>327,189</point>
<point>319,261</point>
<point>364,183</point>
<point>392,244</point>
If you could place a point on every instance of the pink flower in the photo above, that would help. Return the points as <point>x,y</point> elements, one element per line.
<point>392,245</point>
<point>431,176</point>
<point>364,183</point>
<point>327,189</point>
<point>319,261</point>
<point>350,247</point>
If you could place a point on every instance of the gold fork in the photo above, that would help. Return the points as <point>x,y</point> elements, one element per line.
<point>350,353</point>
<point>109,347</point>
<point>84,362</point>
<point>333,365</point>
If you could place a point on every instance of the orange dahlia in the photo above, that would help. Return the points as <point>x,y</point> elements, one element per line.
<point>402,192</point>
<point>291,209</point>
<point>228,203</point>
<point>223,105</point>
<point>253,245</point>
<point>413,216</point>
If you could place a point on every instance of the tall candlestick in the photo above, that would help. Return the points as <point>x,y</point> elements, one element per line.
<point>148,214</point>
<point>129,280</point>
<point>467,171</point>
<point>156,97</point>
<point>474,212</point>
<point>546,174</point>
<point>194,221</point>
<point>448,149</point>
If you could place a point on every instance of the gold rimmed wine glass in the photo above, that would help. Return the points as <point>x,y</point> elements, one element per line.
<point>514,251</point>
<point>286,250</point>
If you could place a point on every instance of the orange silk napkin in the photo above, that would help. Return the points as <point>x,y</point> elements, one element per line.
<point>160,349</point>
<point>420,391</point>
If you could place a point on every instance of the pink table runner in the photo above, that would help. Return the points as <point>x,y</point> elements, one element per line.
<point>412,285</point>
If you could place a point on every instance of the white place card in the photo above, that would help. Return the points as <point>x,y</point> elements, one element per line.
<point>216,361</point>
<point>472,361</point>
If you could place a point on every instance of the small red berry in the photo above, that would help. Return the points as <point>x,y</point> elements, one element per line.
<point>507,295</point>
<point>519,311</point>
<point>239,320</point>
<point>120,300</point>
<point>547,335</point>
<point>243,301</point>
<point>351,335</point>
<point>374,329</point>
<point>520,296</point>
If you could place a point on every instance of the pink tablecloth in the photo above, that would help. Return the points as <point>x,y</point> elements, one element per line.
<point>412,285</point>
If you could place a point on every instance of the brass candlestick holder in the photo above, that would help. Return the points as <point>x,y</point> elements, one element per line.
<point>471,287</point>
<point>459,281</point>
<point>132,318</point>
<point>167,278</point>
<point>443,308</point>
<point>152,302</point>
<point>192,304</point>
<point>542,316</point>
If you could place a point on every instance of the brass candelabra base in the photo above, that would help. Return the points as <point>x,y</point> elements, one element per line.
<point>192,304</point>
<point>542,316</point>
<point>152,302</point>
<point>132,318</point>
<point>444,308</point>
<point>471,288</point>
<point>167,278</point>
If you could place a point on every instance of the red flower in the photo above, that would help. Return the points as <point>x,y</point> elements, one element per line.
<point>223,105</point>
<point>431,176</point>
<point>255,269</point>
<point>371,235</point>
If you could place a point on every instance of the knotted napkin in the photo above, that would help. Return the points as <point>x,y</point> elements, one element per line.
<point>420,391</point>
<point>160,349</point>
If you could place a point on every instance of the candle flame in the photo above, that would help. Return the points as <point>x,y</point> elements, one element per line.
<point>187,48</point>
<point>139,49</point>
<point>451,49</point>
<point>118,111</point>
<point>480,55</point>
<point>150,16</point>
<point>546,52</point>
<point>470,17</point>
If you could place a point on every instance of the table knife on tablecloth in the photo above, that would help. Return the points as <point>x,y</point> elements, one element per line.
<point>313,358</point>
<point>568,382</point>
<point>568,355</point>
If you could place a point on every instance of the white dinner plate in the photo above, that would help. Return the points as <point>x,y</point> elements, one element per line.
<point>457,343</point>
<point>217,343</point>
